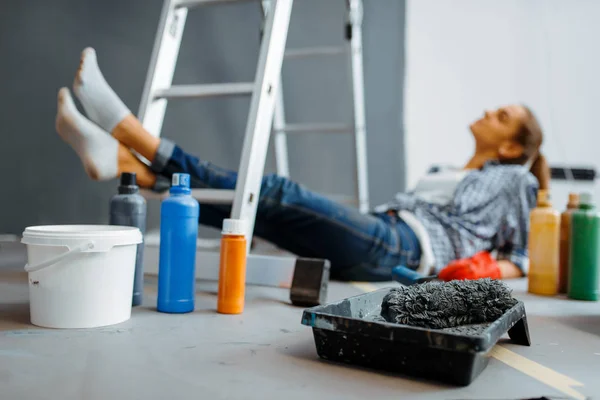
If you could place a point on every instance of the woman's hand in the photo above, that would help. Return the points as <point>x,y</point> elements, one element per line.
<point>508,270</point>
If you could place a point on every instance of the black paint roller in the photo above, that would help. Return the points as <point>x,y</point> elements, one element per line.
<point>438,305</point>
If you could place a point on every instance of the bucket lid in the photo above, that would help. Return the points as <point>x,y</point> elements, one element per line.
<point>65,235</point>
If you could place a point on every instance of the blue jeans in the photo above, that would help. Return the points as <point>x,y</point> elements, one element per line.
<point>360,247</point>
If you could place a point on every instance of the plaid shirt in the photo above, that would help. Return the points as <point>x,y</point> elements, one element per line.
<point>489,211</point>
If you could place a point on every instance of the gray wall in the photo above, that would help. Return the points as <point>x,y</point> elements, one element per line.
<point>40,42</point>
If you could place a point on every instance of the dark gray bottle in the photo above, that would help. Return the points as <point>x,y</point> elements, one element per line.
<point>128,208</point>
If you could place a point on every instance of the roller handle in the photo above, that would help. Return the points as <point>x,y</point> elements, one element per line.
<point>407,276</point>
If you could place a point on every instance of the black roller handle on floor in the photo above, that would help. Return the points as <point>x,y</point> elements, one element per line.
<point>310,282</point>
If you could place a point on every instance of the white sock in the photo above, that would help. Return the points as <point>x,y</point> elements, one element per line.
<point>97,149</point>
<point>101,103</point>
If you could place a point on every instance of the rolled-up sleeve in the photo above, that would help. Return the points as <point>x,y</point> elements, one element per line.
<point>512,240</point>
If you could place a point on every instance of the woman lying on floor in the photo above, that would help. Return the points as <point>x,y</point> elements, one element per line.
<point>451,214</point>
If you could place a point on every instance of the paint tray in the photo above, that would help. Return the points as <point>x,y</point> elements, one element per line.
<point>352,331</point>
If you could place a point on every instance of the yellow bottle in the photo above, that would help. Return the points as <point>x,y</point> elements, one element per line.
<point>544,238</point>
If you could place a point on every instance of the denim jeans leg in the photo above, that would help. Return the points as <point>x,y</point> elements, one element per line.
<point>297,219</point>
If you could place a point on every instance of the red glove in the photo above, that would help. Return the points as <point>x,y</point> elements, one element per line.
<point>481,265</point>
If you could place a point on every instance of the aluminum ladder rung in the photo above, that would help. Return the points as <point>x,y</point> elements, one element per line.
<point>207,90</point>
<point>316,51</point>
<point>264,270</point>
<point>315,128</point>
<point>205,196</point>
<point>200,3</point>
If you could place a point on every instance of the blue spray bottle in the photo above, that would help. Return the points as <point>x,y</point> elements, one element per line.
<point>177,260</point>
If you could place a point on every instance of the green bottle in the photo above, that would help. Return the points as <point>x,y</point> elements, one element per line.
<point>584,276</point>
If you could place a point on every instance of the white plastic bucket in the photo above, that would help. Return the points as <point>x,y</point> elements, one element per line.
<point>80,276</point>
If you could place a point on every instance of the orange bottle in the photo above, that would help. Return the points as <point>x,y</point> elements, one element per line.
<point>544,237</point>
<point>565,242</point>
<point>232,269</point>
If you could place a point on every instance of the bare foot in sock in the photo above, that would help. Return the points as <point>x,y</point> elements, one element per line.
<point>101,103</point>
<point>97,149</point>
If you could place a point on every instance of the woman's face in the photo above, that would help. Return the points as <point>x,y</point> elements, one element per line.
<point>497,129</point>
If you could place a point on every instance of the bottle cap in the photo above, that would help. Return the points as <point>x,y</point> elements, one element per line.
<point>586,198</point>
<point>180,180</point>
<point>128,179</point>
<point>573,200</point>
<point>573,197</point>
<point>128,183</point>
<point>543,198</point>
<point>234,227</point>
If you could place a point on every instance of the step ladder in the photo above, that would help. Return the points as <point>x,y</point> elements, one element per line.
<point>158,90</point>
<point>271,270</point>
<point>352,49</point>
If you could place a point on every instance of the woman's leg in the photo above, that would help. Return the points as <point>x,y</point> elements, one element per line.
<point>104,107</point>
<point>359,246</point>
<point>103,157</point>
